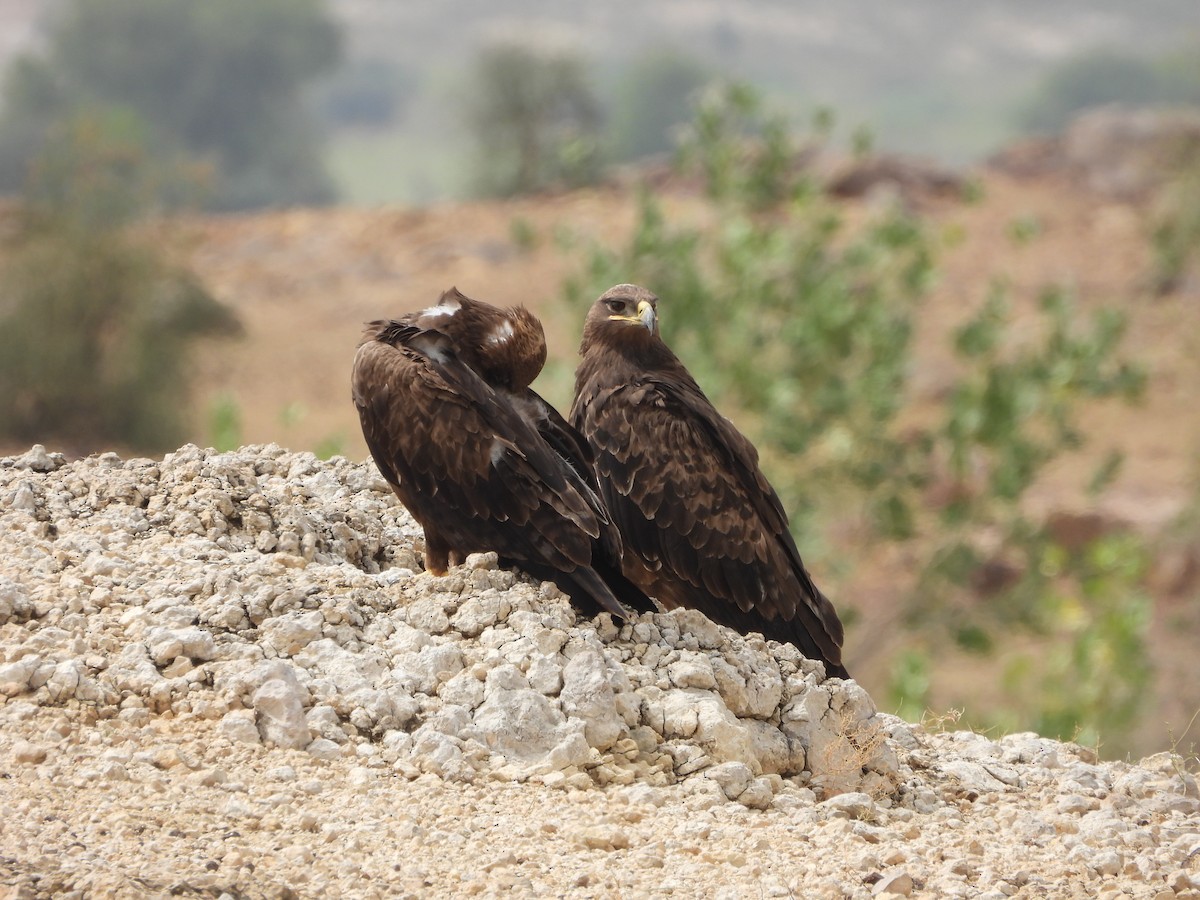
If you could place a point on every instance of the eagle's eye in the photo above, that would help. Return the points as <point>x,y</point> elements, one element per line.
<point>617,305</point>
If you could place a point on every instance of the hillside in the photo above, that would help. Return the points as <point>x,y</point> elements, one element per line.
<point>221,676</point>
<point>304,281</point>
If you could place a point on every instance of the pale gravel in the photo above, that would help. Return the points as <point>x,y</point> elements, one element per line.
<point>224,674</point>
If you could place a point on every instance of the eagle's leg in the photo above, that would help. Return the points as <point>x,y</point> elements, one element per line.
<point>437,553</point>
<point>457,557</point>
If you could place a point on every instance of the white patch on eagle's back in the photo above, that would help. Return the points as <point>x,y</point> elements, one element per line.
<point>529,408</point>
<point>432,344</point>
<point>497,452</point>
<point>449,308</point>
<point>436,352</point>
<point>501,333</point>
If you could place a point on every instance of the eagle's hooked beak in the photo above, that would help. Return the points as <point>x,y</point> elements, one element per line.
<point>647,315</point>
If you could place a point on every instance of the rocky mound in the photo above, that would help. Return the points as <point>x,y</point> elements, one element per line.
<point>245,639</point>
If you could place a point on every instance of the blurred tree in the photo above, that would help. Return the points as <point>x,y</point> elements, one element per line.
<point>1105,76</point>
<point>535,120</point>
<point>218,82</point>
<point>94,318</point>
<point>653,98</point>
<point>368,92</point>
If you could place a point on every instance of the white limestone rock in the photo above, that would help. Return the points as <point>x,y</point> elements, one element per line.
<point>279,702</point>
<point>290,633</point>
<point>587,694</point>
<point>168,644</point>
<point>15,605</point>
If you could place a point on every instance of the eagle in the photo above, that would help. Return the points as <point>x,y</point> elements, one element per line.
<point>479,459</point>
<point>702,527</point>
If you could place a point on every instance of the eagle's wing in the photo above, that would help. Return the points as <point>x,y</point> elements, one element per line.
<point>685,489</point>
<point>463,457</point>
<point>608,552</point>
<point>566,442</point>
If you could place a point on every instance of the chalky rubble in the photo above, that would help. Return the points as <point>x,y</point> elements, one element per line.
<point>224,672</point>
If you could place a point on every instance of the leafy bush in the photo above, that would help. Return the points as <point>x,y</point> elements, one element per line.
<point>216,83</point>
<point>534,118</point>
<point>1092,677</point>
<point>799,324</point>
<point>225,423</point>
<point>94,320</point>
<point>783,316</point>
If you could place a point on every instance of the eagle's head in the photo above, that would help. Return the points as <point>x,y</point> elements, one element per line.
<point>624,315</point>
<point>511,348</point>
<point>507,347</point>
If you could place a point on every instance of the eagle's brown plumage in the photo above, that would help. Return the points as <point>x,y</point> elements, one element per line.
<point>477,457</point>
<point>702,527</point>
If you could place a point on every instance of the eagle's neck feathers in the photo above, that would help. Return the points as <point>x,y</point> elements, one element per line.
<point>623,358</point>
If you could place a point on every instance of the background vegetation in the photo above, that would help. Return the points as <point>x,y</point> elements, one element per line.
<point>534,119</point>
<point>1102,76</point>
<point>802,323</point>
<point>95,317</point>
<point>217,86</point>
<point>419,107</point>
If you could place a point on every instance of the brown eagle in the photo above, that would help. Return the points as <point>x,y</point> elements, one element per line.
<point>479,459</point>
<point>702,527</point>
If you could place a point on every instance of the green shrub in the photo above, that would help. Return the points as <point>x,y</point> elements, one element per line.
<point>799,325</point>
<point>95,320</point>
<point>225,423</point>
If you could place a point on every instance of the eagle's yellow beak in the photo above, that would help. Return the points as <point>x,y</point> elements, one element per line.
<point>647,316</point>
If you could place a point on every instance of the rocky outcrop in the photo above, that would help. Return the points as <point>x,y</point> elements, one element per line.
<point>266,587</point>
<point>239,648</point>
